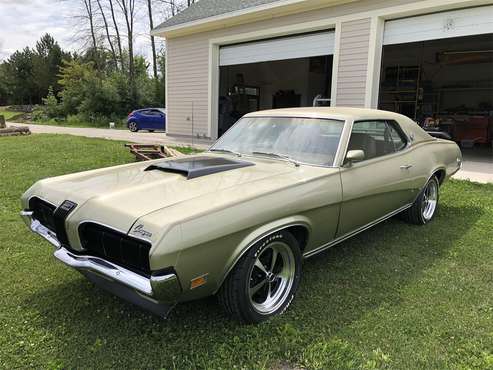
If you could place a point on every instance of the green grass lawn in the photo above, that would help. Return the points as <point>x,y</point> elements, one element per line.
<point>395,297</point>
<point>8,114</point>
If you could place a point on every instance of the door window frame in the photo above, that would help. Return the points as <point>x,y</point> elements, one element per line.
<point>399,130</point>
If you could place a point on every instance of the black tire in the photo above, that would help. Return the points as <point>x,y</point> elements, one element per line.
<point>151,130</point>
<point>132,126</point>
<point>236,295</point>
<point>418,213</point>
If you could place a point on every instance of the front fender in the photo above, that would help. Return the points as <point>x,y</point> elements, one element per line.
<point>258,234</point>
<point>215,258</point>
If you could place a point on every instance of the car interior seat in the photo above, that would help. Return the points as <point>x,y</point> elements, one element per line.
<point>365,142</point>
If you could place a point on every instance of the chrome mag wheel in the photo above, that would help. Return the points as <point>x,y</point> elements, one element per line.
<point>271,278</point>
<point>430,200</point>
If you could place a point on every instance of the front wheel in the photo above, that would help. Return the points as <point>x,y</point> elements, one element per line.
<point>132,126</point>
<point>424,207</point>
<point>264,281</point>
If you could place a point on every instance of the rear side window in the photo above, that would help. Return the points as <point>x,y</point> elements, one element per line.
<point>397,136</point>
<point>376,138</point>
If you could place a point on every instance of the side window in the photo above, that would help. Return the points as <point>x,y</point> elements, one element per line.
<point>368,136</point>
<point>397,136</point>
<point>376,138</point>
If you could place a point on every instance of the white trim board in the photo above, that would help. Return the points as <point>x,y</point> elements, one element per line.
<point>270,10</point>
<point>299,46</point>
<point>455,23</point>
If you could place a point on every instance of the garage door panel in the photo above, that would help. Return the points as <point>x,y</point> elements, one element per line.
<point>300,46</point>
<point>456,23</point>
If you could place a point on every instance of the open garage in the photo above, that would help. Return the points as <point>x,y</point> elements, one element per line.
<point>284,72</point>
<point>438,70</point>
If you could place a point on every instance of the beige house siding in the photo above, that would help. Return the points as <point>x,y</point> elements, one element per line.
<point>188,62</point>
<point>353,63</point>
<point>187,72</point>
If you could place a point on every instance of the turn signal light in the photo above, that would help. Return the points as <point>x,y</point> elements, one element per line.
<point>198,281</point>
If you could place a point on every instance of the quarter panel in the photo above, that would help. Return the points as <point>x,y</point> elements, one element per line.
<point>432,156</point>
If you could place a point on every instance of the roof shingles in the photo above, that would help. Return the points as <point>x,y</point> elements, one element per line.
<point>210,8</point>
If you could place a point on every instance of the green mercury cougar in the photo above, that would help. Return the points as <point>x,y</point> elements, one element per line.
<point>237,220</point>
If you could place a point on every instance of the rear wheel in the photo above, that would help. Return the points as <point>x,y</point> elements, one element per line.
<point>151,130</point>
<point>424,207</point>
<point>264,281</point>
<point>132,126</point>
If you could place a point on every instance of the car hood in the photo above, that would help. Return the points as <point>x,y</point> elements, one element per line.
<point>118,196</point>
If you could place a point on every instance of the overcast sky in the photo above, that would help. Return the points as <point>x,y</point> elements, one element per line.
<point>23,22</point>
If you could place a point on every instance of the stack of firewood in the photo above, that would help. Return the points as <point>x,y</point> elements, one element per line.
<point>12,131</point>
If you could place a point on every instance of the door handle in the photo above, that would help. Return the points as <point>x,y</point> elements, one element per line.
<point>406,166</point>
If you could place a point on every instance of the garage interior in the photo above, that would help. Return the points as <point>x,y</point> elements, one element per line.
<point>286,72</point>
<point>445,85</point>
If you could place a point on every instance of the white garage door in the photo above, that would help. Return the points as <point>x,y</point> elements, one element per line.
<point>455,23</point>
<point>301,46</point>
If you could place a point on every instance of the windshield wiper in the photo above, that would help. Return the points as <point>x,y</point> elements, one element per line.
<point>225,151</point>
<point>276,155</point>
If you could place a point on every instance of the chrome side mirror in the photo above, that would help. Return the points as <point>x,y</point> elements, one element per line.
<point>354,156</point>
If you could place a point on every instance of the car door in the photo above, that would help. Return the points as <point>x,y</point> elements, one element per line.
<point>145,120</point>
<point>155,120</point>
<point>160,120</point>
<point>380,183</point>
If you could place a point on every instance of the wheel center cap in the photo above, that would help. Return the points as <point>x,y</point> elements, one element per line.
<point>270,277</point>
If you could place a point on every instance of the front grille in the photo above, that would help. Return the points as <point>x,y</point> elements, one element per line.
<point>43,212</point>
<point>114,246</point>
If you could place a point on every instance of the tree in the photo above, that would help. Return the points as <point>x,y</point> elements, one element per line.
<point>108,37</point>
<point>47,60</point>
<point>118,38</point>
<point>153,42</point>
<point>128,9</point>
<point>18,78</point>
<point>90,17</point>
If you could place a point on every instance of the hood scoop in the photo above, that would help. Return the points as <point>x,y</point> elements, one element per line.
<point>198,166</point>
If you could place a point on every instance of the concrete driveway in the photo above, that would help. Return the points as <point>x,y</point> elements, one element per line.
<point>477,164</point>
<point>113,134</point>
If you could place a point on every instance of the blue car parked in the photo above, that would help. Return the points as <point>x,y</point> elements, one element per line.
<point>150,119</point>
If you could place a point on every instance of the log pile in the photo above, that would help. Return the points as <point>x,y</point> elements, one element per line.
<point>145,152</point>
<point>12,131</point>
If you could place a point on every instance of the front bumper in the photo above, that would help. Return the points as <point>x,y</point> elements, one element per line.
<point>158,293</point>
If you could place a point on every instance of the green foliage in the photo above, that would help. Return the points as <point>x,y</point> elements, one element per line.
<point>51,108</point>
<point>89,87</point>
<point>397,296</point>
<point>27,75</point>
<point>10,114</point>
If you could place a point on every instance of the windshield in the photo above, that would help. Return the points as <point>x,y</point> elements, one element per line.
<point>305,140</point>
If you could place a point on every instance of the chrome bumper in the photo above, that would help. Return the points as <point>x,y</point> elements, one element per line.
<point>162,288</point>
